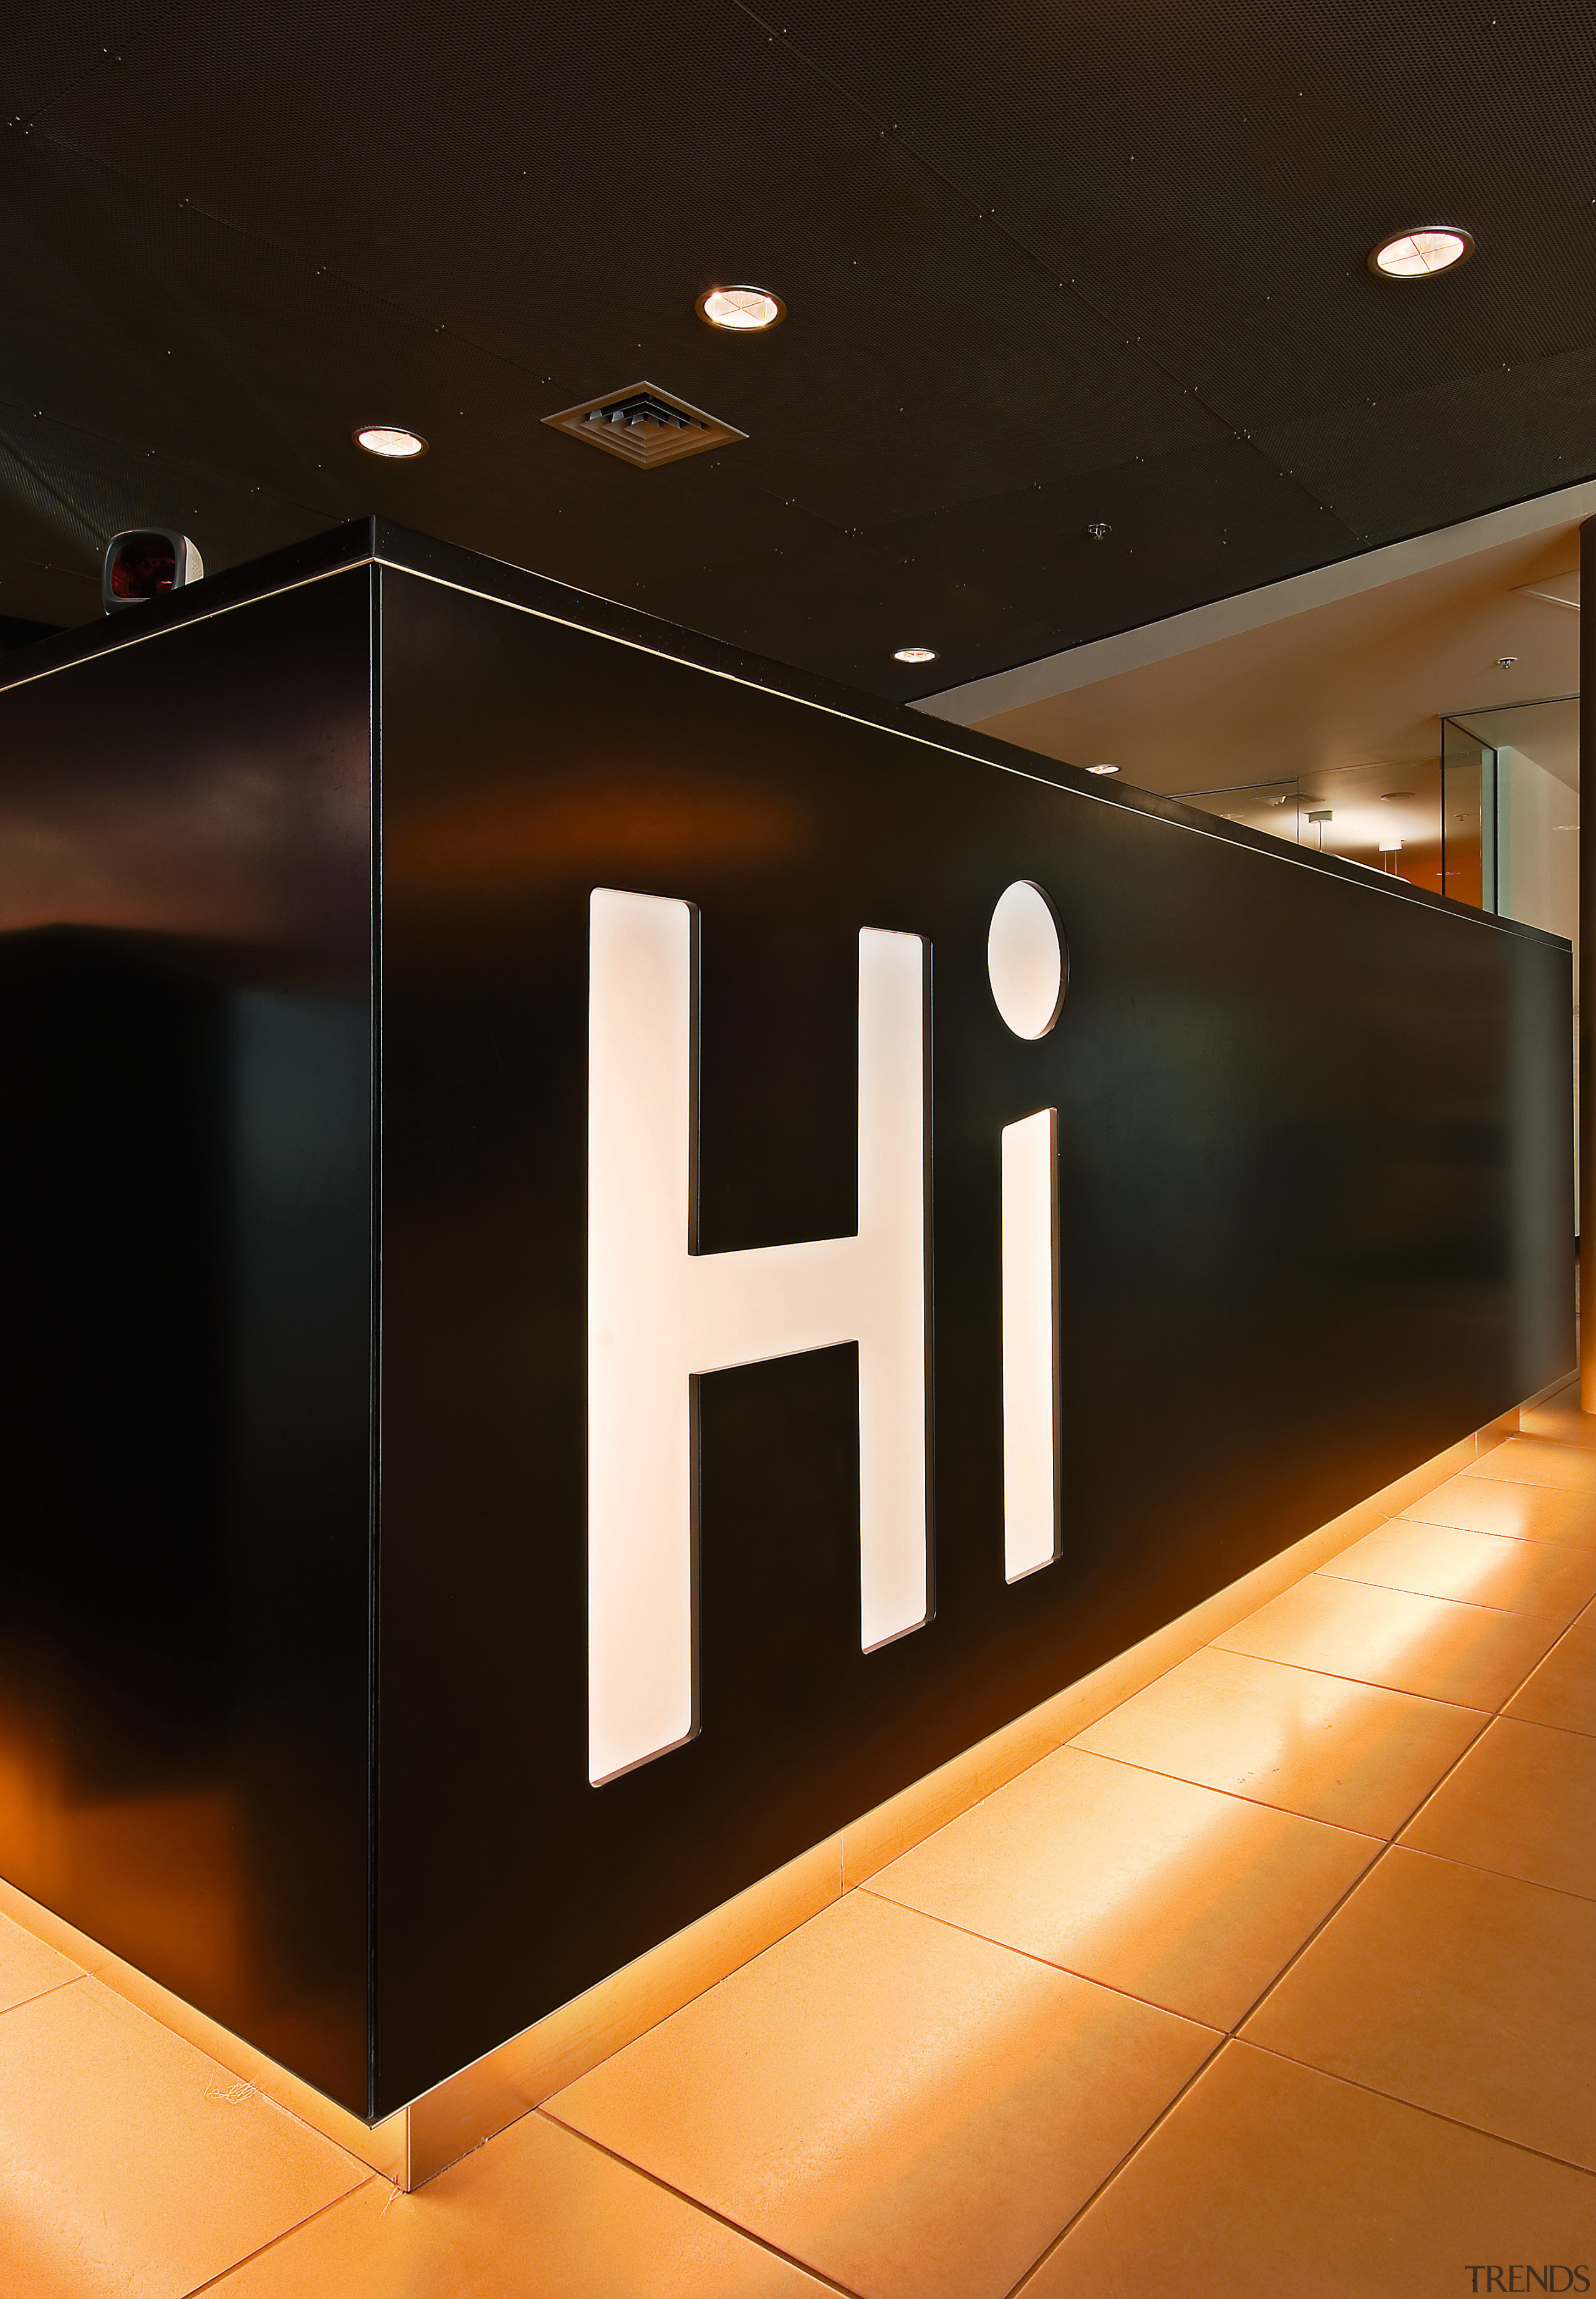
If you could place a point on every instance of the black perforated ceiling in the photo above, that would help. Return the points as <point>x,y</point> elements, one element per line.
<point>1044,267</point>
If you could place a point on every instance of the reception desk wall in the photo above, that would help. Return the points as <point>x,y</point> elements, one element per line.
<point>569,1328</point>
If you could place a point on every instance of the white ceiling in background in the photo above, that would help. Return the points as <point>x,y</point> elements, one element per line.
<point>1352,666</point>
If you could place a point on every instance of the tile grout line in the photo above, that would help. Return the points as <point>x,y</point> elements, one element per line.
<point>211,2282</point>
<point>1391,1588</point>
<point>1507,1875</point>
<point>1048,1962</point>
<point>1528,1484</point>
<point>708,2210</point>
<point>1568,1446</point>
<point>56,1987</point>
<point>1392,1842</point>
<point>1291,1810</point>
<point>1466,1604</point>
<point>1479,1531</point>
<point>1222,2037</point>
<point>1394,1588</point>
<point>1378,1682</point>
<point>1233,2035</point>
<point>1231,2042</point>
<point>1386,1519</point>
<point>1302,1668</point>
<point>1418,2107</point>
<point>1539,1539</point>
<point>1575,1731</point>
<point>1536,1484</point>
<point>1109,2177</point>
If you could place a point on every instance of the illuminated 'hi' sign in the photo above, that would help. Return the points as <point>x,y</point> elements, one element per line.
<point>660,1313</point>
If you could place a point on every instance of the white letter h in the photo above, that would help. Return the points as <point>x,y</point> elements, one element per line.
<point>660,1313</point>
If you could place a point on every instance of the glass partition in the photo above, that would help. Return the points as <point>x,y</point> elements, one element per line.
<point>1511,791</point>
<point>1519,767</point>
<point>1465,780</point>
<point>1493,822</point>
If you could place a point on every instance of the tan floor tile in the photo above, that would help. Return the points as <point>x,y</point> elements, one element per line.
<point>1524,1512</point>
<point>1358,1755</point>
<point>130,2163</point>
<point>1474,1568</point>
<point>1469,1994</point>
<point>1560,1418</point>
<point>535,2214</point>
<point>1562,1691</point>
<point>1523,1802</point>
<point>911,2111</point>
<point>1188,1897</point>
<point>28,1967</point>
<point>1427,1645</point>
<point>1272,2179</point>
<point>1538,1461</point>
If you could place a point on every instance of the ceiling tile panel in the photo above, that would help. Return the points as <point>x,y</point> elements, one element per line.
<point>45,52</point>
<point>1390,468</point>
<point>1044,266</point>
<point>928,358</point>
<point>1195,524</point>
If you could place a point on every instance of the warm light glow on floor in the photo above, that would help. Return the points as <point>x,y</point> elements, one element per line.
<point>1283,1961</point>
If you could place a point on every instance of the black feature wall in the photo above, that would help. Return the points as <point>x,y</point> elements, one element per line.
<point>1315,1191</point>
<point>185,1265</point>
<point>1316,1223</point>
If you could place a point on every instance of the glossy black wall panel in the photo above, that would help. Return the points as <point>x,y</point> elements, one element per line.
<point>1316,1201</point>
<point>184,1356</point>
<point>1316,1220</point>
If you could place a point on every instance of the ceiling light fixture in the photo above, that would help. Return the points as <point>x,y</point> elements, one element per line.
<point>1556,590</point>
<point>914,654</point>
<point>742,311</point>
<point>388,439</point>
<point>1421,254</point>
<point>1103,770</point>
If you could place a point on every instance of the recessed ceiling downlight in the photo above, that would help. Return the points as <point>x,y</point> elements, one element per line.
<point>388,439</point>
<point>1421,254</point>
<point>914,655</point>
<point>742,311</point>
<point>1103,770</point>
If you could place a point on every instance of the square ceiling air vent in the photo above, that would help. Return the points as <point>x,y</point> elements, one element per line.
<point>644,425</point>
